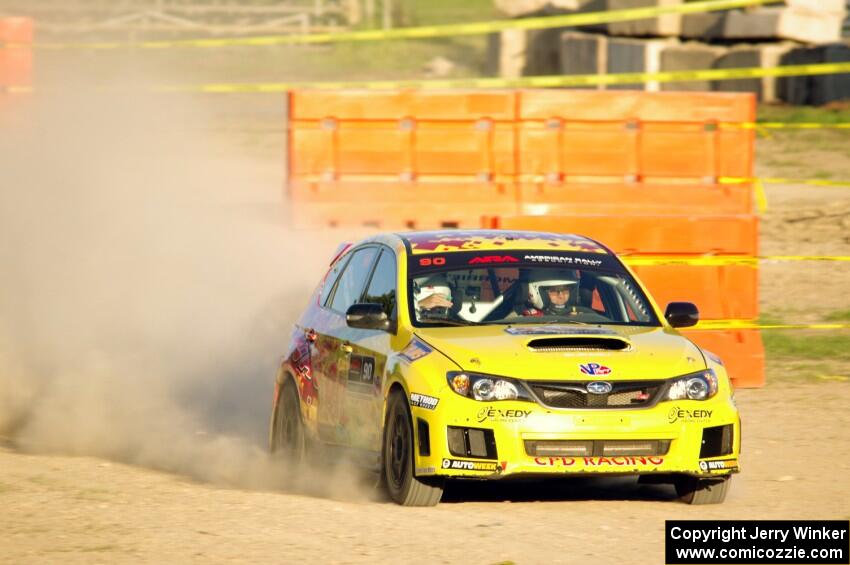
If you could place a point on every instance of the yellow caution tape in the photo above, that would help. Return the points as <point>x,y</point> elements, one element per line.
<point>783,125</point>
<point>423,32</point>
<point>723,260</point>
<point>779,180</point>
<point>755,325</point>
<point>549,81</point>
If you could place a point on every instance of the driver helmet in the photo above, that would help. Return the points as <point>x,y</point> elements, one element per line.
<point>435,284</point>
<point>540,282</point>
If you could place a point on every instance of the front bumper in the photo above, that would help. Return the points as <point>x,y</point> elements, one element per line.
<point>686,434</point>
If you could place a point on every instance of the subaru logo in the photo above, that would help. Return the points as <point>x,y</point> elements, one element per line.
<point>599,387</point>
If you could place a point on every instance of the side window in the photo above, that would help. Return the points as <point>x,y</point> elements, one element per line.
<point>382,286</point>
<point>331,279</point>
<point>353,279</point>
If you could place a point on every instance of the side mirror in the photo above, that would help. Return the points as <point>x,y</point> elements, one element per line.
<point>682,314</point>
<point>367,317</point>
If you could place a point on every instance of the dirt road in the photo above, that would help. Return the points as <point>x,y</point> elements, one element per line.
<point>84,510</point>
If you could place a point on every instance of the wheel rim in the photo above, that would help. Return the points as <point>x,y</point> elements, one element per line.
<point>399,450</point>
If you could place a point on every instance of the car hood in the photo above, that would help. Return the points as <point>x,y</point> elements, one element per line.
<point>550,352</point>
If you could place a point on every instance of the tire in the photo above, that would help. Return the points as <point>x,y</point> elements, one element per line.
<point>288,440</point>
<point>692,490</point>
<point>401,484</point>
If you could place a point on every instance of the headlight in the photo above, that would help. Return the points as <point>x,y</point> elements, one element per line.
<point>487,387</point>
<point>696,386</point>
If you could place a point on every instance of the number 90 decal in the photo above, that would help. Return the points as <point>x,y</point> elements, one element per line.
<point>432,261</point>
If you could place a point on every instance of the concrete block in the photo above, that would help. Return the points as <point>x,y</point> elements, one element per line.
<point>583,53</point>
<point>668,25</point>
<point>636,56</point>
<point>708,25</point>
<point>819,5</point>
<point>523,8</point>
<point>761,56</point>
<point>686,57</point>
<point>507,53</point>
<point>815,90</point>
<point>798,24</point>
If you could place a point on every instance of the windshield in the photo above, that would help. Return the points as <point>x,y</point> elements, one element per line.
<point>516,287</point>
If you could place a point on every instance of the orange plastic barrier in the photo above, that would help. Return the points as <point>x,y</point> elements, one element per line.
<point>397,205</point>
<point>638,171</point>
<point>15,63</point>
<point>741,350</point>
<point>720,291</point>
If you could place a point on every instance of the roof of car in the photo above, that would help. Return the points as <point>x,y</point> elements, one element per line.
<point>447,241</point>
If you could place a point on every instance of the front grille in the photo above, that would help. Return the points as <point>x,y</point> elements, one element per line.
<point>596,448</point>
<point>631,394</point>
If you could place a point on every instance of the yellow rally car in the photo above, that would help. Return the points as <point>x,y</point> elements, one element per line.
<point>494,354</point>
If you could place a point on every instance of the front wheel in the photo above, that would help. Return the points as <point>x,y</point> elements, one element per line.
<point>692,490</point>
<point>402,485</point>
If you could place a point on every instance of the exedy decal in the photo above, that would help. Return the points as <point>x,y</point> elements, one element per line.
<point>472,465</point>
<point>423,401</point>
<point>500,415</point>
<point>677,414</point>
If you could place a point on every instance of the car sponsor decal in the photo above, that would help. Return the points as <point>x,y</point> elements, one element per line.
<point>493,414</point>
<point>712,357</point>
<point>423,401</point>
<point>361,369</point>
<point>441,259</point>
<point>677,414</point>
<point>489,259</point>
<point>425,470</point>
<point>724,465</point>
<point>594,369</point>
<point>556,330</point>
<point>563,260</point>
<point>415,350</point>
<point>624,461</point>
<point>463,465</point>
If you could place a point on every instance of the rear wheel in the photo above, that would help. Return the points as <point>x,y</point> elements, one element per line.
<point>402,485</point>
<point>693,490</point>
<point>288,440</point>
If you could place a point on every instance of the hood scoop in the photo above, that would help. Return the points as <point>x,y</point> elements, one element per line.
<point>578,343</point>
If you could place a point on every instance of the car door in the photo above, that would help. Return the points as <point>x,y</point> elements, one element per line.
<point>363,410</point>
<point>335,345</point>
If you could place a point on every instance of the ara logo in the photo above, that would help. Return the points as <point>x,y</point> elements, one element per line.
<point>493,259</point>
<point>594,369</point>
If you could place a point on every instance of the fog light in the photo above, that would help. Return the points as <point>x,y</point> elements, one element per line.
<point>559,448</point>
<point>630,448</point>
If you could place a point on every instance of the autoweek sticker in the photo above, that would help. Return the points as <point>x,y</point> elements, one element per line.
<point>724,465</point>
<point>462,465</point>
<point>423,400</point>
<point>557,330</point>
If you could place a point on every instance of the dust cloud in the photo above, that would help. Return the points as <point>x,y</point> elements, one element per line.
<point>148,284</point>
